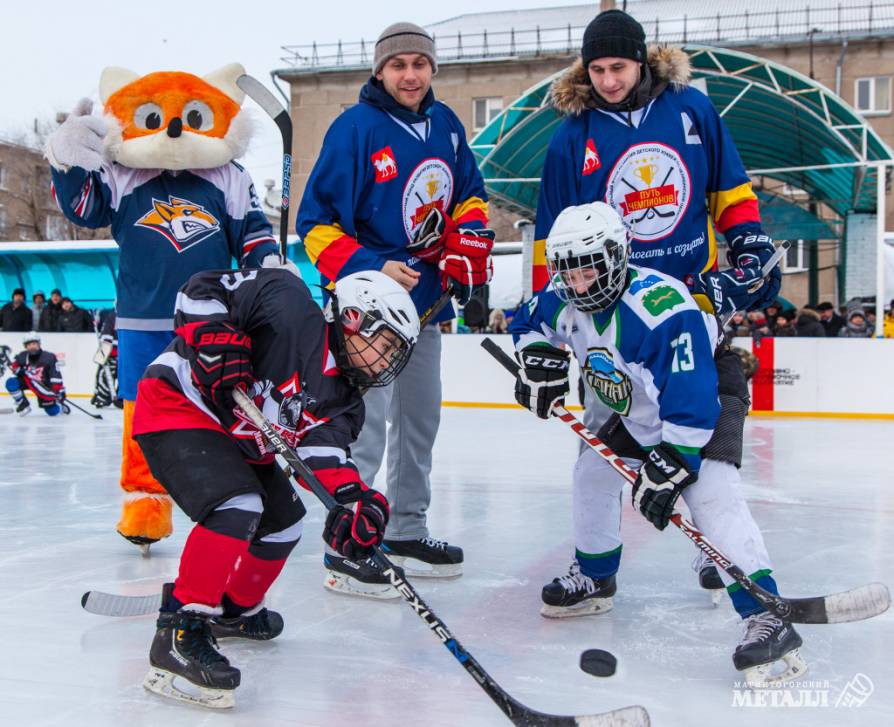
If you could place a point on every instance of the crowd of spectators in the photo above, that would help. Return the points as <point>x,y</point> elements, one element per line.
<point>58,314</point>
<point>855,320</point>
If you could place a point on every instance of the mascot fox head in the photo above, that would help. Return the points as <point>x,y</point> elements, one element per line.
<point>174,120</point>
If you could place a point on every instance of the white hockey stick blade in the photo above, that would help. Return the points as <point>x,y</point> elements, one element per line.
<point>113,604</point>
<point>261,95</point>
<point>626,717</point>
<point>858,604</point>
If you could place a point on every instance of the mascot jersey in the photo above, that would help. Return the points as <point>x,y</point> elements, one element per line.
<point>670,170</point>
<point>178,204</point>
<point>380,171</point>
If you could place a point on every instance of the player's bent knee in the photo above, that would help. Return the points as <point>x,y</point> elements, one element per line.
<point>12,384</point>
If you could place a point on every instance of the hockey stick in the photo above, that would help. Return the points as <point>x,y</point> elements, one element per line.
<point>854,605</point>
<point>517,712</point>
<point>260,94</point>
<point>79,408</point>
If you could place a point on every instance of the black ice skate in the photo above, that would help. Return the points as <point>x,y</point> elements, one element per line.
<point>257,624</point>
<point>425,557</point>
<point>23,408</point>
<point>184,647</point>
<point>768,640</point>
<point>576,594</point>
<point>708,577</point>
<point>356,578</point>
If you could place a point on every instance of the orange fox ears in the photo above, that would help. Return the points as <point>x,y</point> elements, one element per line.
<point>114,78</point>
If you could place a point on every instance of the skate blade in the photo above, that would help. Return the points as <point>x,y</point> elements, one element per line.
<point>763,676</point>
<point>421,569</point>
<point>590,607</point>
<point>717,596</point>
<point>161,682</point>
<point>341,583</point>
<point>144,549</point>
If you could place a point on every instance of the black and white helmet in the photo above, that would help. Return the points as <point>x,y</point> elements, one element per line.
<point>586,252</point>
<point>31,337</point>
<point>369,303</point>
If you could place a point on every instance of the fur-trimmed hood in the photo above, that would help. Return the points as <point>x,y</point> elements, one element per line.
<point>572,92</point>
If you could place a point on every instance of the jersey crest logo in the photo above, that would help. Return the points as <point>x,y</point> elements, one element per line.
<point>386,166</point>
<point>611,386</point>
<point>650,187</point>
<point>647,282</point>
<point>662,299</point>
<point>591,159</point>
<point>429,186</point>
<point>180,222</point>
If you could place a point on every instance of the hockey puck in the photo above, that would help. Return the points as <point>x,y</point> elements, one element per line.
<point>597,662</point>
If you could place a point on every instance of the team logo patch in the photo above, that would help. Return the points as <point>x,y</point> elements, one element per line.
<point>290,409</point>
<point>429,186</point>
<point>661,299</point>
<point>650,187</point>
<point>591,159</point>
<point>180,222</point>
<point>611,386</point>
<point>385,164</point>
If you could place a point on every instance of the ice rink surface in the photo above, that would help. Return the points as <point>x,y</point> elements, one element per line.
<point>820,489</point>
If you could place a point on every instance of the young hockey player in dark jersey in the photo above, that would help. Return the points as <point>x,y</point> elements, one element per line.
<point>38,371</point>
<point>259,330</point>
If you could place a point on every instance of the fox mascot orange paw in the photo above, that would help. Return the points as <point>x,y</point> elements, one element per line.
<point>159,168</point>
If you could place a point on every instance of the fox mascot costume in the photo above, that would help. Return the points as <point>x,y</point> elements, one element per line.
<point>159,167</point>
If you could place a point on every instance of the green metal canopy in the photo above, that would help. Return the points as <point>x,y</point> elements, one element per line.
<point>785,125</point>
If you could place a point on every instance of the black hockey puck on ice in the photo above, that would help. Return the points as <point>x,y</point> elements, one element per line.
<point>597,662</point>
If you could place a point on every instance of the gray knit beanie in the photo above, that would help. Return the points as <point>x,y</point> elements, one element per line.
<point>403,38</point>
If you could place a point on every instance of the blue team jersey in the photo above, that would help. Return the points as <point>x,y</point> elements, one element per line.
<point>169,226</point>
<point>649,358</point>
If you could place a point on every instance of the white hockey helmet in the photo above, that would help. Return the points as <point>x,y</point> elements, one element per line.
<point>586,252</point>
<point>366,304</point>
<point>31,337</point>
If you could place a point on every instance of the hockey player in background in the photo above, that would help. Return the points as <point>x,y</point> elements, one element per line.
<point>396,188</point>
<point>37,371</point>
<point>159,167</point>
<point>261,331</point>
<point>639,138</point>
<point>645,345</point>
<point>105,392</point>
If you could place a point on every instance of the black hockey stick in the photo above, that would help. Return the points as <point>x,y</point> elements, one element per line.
<point>260,94</point>
<point>518,713</point>
<point>79,408</point>
<point>854,605</point>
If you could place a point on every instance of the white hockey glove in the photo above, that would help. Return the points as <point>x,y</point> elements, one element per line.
<point>78,141</point>
<point>273,261</point>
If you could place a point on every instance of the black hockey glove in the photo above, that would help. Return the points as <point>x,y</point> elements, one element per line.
<point>661,479</point>
<point>749,251</point>
<point>222,361</point>
<point>355,531</point>
<point>731,289</point>
<point>543,378</point>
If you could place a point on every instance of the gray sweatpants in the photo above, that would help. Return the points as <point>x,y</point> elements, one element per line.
<point>411,407</point>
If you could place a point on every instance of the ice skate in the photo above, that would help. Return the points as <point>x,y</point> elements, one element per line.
<point>576,594</point>
<point>184,649</point>
<point>425,557</point>
<point>357,578</point>
<point>769,640</point>
<point>23,408</point>
<point>709,577</point>
<point>258,624</point>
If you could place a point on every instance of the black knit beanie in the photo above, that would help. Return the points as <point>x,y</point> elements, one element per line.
<point>613,33</point>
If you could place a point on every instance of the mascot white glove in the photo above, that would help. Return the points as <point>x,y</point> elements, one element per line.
<point>273,261</point>
<point>78,141</point>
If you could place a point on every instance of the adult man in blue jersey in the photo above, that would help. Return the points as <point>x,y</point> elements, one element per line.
<point>396,189</point>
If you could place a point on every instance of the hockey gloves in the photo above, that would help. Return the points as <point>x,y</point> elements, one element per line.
<point>543,378</point>
<point>660,480</point>
<point>428,242</point>
<point>78,140</point>
<point>750,251</point>
<point>354,531</point>
<point>222,361</point>
<point>466,264</point>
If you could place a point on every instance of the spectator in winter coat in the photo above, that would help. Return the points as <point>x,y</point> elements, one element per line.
<point>737,326</point>
<point>73,319</point>
<point>49,317</point>
<point>15,315</point>
<point>855,325</point>
<point>771,311</point>
<point>888,330</point>
<point>38,303</point>
<point>783,327</point>
<point>830,320</point>
<point>809,325</point>
<point>497,322</point>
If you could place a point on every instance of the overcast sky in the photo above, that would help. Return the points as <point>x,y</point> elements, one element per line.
<point>53,51</point>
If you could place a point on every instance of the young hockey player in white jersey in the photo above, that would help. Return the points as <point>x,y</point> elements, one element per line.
<point>646,349</point>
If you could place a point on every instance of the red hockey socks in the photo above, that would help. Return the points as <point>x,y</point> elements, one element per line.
<point>206,565</point>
